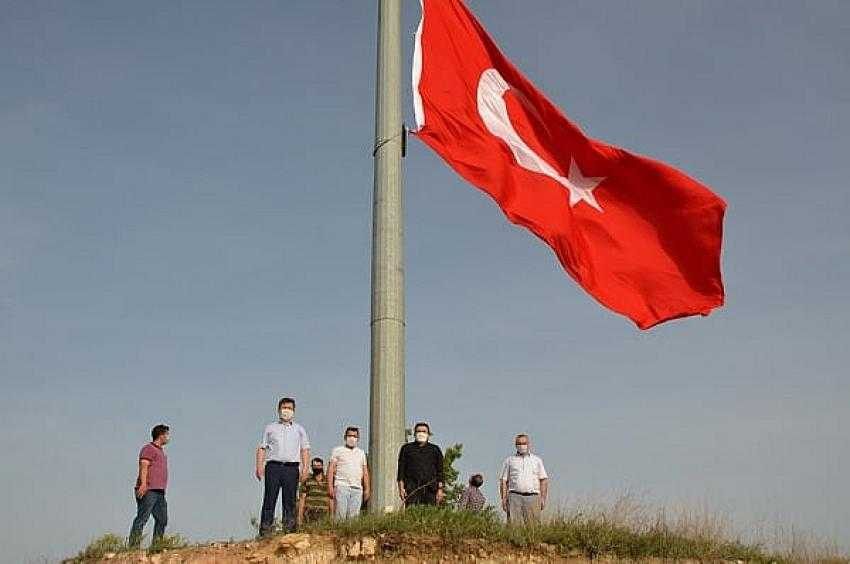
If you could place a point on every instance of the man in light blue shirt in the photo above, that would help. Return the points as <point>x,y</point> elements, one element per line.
<point>283,460</point>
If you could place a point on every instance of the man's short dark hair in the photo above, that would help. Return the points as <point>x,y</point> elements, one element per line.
<point>355,429</point>
<point>284,401</point>
<point>159,431</point>
<point>319,460</point>
<point>422,424</point>
<point>476,480</point>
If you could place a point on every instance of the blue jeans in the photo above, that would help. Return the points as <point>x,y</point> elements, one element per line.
<point>152,503</point>
<point>348,501</point>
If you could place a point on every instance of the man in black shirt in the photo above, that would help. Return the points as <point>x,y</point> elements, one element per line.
<point>420,470</point>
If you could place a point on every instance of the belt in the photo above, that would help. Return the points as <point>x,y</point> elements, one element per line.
<point>523,493</point>
<point>278,462</point>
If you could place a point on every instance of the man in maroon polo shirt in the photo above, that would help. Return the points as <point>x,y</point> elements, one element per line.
<point>150,487</point>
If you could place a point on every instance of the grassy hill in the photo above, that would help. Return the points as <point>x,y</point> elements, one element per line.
<point>444,535</point>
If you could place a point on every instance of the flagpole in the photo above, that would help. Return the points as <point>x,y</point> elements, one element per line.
<point>386,403</point>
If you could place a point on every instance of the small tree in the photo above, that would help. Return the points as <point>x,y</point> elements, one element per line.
<point>452,488</point>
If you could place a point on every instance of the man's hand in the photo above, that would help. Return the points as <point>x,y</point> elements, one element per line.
<point>542,502</point>
<point>402,493</point>
<point>366,494</point>
<point>260,472</point>
<point>505,504</point>
<point>141,490</point>
<point>302,477</point>
<point>331,492</point>
<point>441,495</point>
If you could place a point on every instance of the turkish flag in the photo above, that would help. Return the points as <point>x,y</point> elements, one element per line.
<point>640,236</point>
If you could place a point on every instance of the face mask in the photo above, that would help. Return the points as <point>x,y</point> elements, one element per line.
<point>351,442</point>
<point>421,437</point>
<point>287,414</point>
<point>522,449</point>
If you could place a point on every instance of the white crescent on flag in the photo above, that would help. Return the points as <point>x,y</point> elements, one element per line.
<point>494,112</point>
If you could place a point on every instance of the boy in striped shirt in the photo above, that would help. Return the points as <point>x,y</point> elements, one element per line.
<point>314,503</point>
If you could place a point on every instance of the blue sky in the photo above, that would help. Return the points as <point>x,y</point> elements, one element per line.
<point>185,208</point>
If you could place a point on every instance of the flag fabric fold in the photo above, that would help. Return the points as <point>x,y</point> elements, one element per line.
<point>638,235</point>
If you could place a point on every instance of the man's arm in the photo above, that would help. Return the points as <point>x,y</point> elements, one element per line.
<point>544,482</point>
<point>260,469</point>
<point>440,477</point>
<point>503,486</point>
<point>439,463</point>
<point>503,493</point>
<point>305,463</point>
<point>400,474</point>
<point>261,463</point>
<point>142,480</point>
<point>331,476</point>
<point>367,483</point>
<point>544,491</point>
<point>305,454</point>
<point>302,500</point>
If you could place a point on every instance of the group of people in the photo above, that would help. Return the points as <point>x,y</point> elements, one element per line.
<point>283,459</point>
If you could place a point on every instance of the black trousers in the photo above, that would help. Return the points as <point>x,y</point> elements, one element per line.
<point>280,478</point>
<point>422,496</point>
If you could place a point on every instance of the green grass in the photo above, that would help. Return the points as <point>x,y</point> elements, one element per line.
<point>592,536</point>
<point>626,529</point>
<point>112,543</point>
<point>100,547</point>
<point>168,542</point>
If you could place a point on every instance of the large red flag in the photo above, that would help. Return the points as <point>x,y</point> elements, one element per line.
<point>640,236</point>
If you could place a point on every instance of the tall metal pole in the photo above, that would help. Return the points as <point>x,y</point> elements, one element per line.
<point>386,417</point>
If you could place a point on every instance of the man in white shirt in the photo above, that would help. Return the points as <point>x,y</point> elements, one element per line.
<point>524,484</point>
<point>348,476</point>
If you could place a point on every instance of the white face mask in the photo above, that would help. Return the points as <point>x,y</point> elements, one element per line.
<point>351,442</point>
<point>421,437</point>
<point>522,449</point>
<point>287,414</point>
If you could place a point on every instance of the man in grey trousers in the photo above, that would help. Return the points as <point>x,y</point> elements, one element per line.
<point>523,484</point>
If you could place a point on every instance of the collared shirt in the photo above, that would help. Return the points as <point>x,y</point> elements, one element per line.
<point>158,469</point>
<point>523,473</point>
<point>420,465</point>
<point>472,499</point>
<point>349,466</point>
<point>284,441</point>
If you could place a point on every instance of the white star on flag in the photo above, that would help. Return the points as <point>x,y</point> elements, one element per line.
<point>580,186</point>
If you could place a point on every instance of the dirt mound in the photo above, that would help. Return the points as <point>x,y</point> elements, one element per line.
<point>320,549</point>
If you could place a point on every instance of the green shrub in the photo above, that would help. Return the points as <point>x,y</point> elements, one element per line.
<point>167,542</point>
<point>100,547</point>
